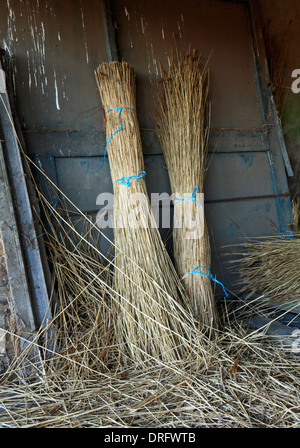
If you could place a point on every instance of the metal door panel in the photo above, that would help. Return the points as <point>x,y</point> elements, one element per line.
<point>86,143</point>
<point>221,183</point>
<point>233,223</point>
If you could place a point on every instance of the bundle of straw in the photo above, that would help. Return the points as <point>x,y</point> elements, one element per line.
<point>182,125</point>
<point>270,267</point>
<point>150,319</point>
<point>227,390</point>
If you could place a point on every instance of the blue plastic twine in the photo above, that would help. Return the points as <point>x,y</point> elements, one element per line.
<point>290,236</point>
<point>195,271</point>
<point>126,180</point>
<point>191,198</point>
<point>121,126</point>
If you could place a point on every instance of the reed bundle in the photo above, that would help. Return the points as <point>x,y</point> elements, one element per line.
<point>150,319</point>
<point>271,268</point>
<point>182,125</point>
<point>296,214</point>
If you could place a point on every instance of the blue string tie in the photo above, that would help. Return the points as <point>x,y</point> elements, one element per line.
<point>191,198</point>
<point>195,271</point>
<point>120,123</point>
<point>290,236</point>
<point>126,180</point>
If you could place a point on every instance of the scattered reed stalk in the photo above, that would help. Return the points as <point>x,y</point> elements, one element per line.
<point>296,214</point>
<point>81,281</point>
<point>245,381</point>
<point>246,384</point>
<point>182,125</point>
<point>150,320</point>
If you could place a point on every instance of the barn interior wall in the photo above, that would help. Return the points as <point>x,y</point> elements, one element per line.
<point>57,45</point>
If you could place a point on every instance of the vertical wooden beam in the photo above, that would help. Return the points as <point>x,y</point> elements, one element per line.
<point>16,286</point>
<point>271,112</point>
<point>279,162</point>
<point>28,286</point>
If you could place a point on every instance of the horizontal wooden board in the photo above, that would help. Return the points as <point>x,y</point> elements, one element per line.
<point>82,179</point>
<point>80,143</point>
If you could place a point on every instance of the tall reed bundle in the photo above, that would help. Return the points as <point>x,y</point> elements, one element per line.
<point>182,125</point>
<point>150,320</point>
